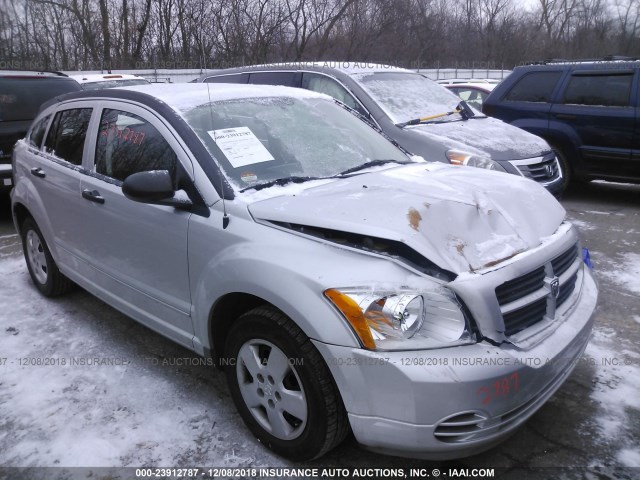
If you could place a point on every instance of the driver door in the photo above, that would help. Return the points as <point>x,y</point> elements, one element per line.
<point>138,252</point>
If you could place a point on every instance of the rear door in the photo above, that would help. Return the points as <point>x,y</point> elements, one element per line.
<point>55,172</point>
<point>595,106</point>
<point>136,253</point>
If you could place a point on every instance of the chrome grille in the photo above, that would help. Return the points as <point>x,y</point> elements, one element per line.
<point>526,300</point>
<point>543,169</point>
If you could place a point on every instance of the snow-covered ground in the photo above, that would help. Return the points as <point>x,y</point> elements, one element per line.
<point>117,404</point>
<point>82,385</point>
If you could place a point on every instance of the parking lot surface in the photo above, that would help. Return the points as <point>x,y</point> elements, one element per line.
<point>126,396</point>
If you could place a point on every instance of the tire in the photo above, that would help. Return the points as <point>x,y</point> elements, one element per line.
<point>565,167</point>
<point>42,268</point>
<point>282,387</point>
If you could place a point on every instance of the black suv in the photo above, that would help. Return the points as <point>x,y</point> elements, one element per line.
<point>589,111</point>
<point>21,94</point>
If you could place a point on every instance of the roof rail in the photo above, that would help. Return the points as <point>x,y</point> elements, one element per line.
<point>606,58</point>
<point>20,71</point>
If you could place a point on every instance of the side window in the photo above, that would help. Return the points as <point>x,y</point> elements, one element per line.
<point>129,144</point>
<point>238,78</point>
<point>288,79</point>
<point>67,134</point>
<point>534,87</point>
<point>37,132</point>
<point>328,86</point>
<point>470,95</point>
<point>605,90</point>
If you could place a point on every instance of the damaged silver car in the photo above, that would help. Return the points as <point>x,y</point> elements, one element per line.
<point>341,284</point>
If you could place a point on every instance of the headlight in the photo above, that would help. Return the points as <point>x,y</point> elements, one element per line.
<point>458,157</point>
<point>403,320</point>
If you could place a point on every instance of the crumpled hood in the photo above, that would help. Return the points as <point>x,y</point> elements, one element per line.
<point>486,136</point>
<point>462,219</point>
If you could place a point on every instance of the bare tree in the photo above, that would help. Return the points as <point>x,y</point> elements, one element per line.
<point>87,34</point>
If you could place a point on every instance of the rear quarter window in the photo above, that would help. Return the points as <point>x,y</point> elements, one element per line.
<point>534,87</point>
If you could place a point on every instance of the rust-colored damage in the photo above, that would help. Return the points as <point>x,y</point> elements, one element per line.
<point>495,262</point>
<point>414,218</point>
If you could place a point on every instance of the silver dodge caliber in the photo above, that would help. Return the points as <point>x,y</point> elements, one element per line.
<point>341,284</point>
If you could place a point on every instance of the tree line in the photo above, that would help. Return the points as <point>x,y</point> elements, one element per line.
<point>128,34</point>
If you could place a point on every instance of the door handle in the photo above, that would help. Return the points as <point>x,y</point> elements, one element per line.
<point>565,116</point>
<point>92,195</point>
<point>38,172</point>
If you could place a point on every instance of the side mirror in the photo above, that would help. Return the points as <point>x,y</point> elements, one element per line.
<point>154,186</point>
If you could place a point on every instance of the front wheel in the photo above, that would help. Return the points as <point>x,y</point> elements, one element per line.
<point>565,166</point>
<point>282,387</point>
<point>42,268</point>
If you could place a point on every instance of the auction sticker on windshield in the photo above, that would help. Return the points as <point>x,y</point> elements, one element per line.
<point>240,146</point>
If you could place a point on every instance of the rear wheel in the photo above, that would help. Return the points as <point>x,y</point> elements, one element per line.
<point>282,387</point>
<point>42,268</point>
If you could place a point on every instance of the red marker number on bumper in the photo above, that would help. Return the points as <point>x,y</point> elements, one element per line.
<point>500,388</point>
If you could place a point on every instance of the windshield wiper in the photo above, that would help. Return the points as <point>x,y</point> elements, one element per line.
<point>298,179</point>
<point>280,181</point>
<point>372,163</point>
<point>462,108</point>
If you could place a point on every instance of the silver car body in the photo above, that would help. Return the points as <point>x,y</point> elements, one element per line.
<point>170,268</point>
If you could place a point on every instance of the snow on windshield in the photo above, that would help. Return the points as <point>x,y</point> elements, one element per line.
<point>405,95</point>
<point>257,140</point>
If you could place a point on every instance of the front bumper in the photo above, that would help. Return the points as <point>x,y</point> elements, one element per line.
<point>6,176</point>
<point>455,402</point>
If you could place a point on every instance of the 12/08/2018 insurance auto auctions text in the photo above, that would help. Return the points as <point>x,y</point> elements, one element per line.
<point>315,472</point>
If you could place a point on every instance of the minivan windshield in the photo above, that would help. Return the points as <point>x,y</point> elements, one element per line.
<point>259,140</point>
<point>405,95</point>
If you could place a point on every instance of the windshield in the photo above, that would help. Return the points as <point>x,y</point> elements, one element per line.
<point>114,84</point>
<point>259,140</point>
<point>405,96</point>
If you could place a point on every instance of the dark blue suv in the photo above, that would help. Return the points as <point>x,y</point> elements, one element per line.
<point>21,94</point>
<point>588,111</point>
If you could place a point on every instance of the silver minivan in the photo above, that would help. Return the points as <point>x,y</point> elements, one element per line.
<point>341,284</point>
